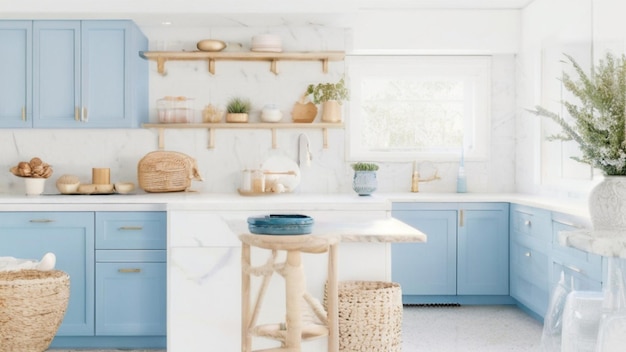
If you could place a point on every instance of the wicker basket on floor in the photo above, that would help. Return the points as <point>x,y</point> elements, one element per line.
<point>32,306</point>
<point>370,316</point>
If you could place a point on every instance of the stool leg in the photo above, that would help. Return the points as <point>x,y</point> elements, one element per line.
<point>246,339</point>
<point>332,302</point>
<point>294,287</point>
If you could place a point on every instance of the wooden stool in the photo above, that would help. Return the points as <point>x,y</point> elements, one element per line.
<point>293,331</point>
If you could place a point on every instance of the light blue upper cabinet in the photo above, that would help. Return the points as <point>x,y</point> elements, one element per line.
<point>16,73</point>
<point>56,72</point>
<point>85,74</point>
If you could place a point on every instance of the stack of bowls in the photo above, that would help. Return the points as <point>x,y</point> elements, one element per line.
<point>267,42</point>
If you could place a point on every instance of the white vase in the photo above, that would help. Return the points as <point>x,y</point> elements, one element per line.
<point>607,204</point>
<point>34,186</point>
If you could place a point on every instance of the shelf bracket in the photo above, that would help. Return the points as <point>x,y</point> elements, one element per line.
<point>212,66</point>
<point>161,139</point>
<point>325,65</point>
<point>161,65</point>
<point>211,139</point>
<point>274,146</point>
<point>274,67</point>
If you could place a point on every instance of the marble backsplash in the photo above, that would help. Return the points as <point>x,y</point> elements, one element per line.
<point>78,151</point>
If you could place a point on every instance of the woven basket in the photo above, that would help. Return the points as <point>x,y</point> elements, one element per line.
<point>32,307</point>
<point>163,171</point>
<point>370,316</point>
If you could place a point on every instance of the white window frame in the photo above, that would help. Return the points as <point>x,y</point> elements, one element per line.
<point>475,68</point>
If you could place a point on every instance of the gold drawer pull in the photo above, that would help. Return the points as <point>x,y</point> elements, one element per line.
<point>129,270</point>
<point>41,220</point>
<point>131,228</point>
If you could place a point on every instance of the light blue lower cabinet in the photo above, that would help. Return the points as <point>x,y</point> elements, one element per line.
<point>70,236</point>
<point>466,257</point>
<point>117,297</point>
<point>130,299</point>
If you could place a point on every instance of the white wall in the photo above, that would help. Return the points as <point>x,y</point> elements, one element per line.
<point>76,152</point>
<point>585,29</point>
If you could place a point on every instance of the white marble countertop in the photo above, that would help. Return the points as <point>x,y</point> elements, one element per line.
<point>291,201</point>
<point>603,243</point>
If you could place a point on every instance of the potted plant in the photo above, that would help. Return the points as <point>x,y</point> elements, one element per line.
<point>237,109</point>
<point>598,125</point>
<point>330,95</point>
<point>364,182</point>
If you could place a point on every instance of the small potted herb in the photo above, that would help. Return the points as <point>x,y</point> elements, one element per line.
<point>364,182</point>
<point>330,95</point>
<point>237,109</point>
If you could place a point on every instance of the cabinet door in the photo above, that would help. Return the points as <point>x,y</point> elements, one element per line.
<point>108,56</point>
<point>427,268</point>
<point>70,236</point>
<point>16,74</point>
<point>130,299</point>
<point>483,250</point>
<point>56,73</point>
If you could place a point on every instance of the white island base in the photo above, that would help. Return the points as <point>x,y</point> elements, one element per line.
<point>204,273</point>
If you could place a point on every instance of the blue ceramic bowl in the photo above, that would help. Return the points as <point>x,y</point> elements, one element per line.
<point>281,224</point>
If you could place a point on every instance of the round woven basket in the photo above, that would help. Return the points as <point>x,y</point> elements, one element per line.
<point>370,316</point>
<point>32,307</point>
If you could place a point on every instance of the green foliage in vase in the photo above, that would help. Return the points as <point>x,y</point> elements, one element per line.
<point>323,92</point>
<point>238,106</point>
<point>598,122</point>
<point>364,166</point>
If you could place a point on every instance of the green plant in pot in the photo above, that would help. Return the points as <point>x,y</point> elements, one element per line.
<point>330,95</point>
<point>597,123</point>
<point>237,109</point>
<point>364,182</point>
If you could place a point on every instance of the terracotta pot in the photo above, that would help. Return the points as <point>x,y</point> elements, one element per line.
<point>331,111</point>
<point>237,117</point>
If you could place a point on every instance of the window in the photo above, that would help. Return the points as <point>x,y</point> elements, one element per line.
<point>428,107</point>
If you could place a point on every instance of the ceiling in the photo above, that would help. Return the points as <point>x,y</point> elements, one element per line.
<point>238,12</point>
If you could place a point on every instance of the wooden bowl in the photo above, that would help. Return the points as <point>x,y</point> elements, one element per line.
<point>211,45</point>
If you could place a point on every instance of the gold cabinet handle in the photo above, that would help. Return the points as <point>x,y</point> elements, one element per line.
<point>461,218</point>
<point>77,113</point>
<point>23,113</point>
<point>130,228</point>
<point>129,270</point>
<point>41,220</point>
<point>84,117</point>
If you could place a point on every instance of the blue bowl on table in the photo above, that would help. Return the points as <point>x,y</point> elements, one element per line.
<point>281,224</point>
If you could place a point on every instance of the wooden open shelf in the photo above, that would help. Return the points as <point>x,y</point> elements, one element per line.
<point>161,57</point>
<point>161,127</point>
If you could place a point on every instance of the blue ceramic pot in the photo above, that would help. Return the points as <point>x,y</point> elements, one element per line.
<point>364,182</point>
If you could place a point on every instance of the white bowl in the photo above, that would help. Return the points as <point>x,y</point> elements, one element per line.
<point>124,187</point>
<point>271,115</point>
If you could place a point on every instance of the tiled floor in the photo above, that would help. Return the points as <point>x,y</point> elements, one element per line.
<point>462,329</point>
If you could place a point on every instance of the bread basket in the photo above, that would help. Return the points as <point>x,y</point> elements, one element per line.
<point>164,171</point>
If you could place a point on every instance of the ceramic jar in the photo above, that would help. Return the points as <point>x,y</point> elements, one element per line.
<point>364,183</point>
